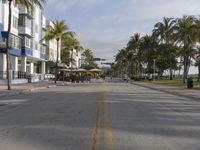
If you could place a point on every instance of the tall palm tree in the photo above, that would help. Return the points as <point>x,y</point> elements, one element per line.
<point>197,61</point>
<point>122,61</point>
<point>164,31</point>
<point>187,36</point>
<point>71,44</point>
<point>133,47</point>
<point>134,42</point>
<point>28,6</point>
<point>197,55</point>
<point>148,51</point>
<point>57,31</point>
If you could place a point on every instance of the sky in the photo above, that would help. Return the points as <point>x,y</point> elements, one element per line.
<point>105,26</point>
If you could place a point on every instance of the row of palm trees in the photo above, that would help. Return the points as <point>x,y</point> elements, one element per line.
<point>172,45</point>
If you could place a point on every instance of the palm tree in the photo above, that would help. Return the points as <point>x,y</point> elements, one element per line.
<point>197,61</point>
<point>122,61</point>
<point>58,31</point>
<point>28,6</point>
<point>89,62</point>
<point>133,47</point>
<point>164,31</point>
<point>71,44</point>
<point>187,35</point>
<point>148,51</point>
<point>197,55</point>
<point>134,42</point>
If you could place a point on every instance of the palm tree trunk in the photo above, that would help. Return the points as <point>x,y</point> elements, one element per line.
<point>185,66</point>
<point>170,65</point>
<point>56,71</point>
<point>7,46</point>
<point>198,73</point>
<point>188,65</point>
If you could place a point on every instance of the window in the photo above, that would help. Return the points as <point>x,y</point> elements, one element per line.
<point>24,21</point>
<point>15,42</point>
<point>21,20</point>
<point>28,22</point>
<point>27,42</point>
<point>43,49</point>
<point>15,22</point>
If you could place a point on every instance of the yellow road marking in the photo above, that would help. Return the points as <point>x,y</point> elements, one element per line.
<point>107,129</point>
<point>102,111</point>
<point>94,144</point>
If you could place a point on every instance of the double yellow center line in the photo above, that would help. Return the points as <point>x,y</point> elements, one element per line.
<point>102,114</point>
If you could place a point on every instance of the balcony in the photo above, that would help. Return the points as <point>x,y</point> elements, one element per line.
<point>24,25</point>
<point>25,31</point>
<point>14,43</point>
<point>26,12</point>
<point>27,51</point>
<point>26,46</point>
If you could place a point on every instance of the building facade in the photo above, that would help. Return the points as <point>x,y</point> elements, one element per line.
<point>29,53</point>
<point>77,59</point>
<point>15,39</point>
<point>32,29</point>
<point>76,56</point>
<point>51,52</point>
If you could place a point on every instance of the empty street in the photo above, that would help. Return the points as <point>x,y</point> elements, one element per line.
<point>99,116</point>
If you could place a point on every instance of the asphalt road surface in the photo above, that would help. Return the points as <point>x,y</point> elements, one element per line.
<point>99,116</point>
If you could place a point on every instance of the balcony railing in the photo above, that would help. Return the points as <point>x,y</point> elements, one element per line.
<point>14,40</point>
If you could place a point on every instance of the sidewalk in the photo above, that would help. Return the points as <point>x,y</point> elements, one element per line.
<point>189,93</point>
<point>23,88</point>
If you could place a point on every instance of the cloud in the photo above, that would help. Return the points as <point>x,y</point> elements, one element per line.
<point>106,25</point>
<point>62,6</point>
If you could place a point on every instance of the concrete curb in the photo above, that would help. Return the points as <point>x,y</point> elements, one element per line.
<point>26,91</point>
<point>166,91</point>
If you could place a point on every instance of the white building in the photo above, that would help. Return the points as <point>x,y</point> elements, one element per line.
<point>31,29</point>
<point>76,55</point>
<point>29,53</point>
<point>15,39</point>
<point>52,52</point>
